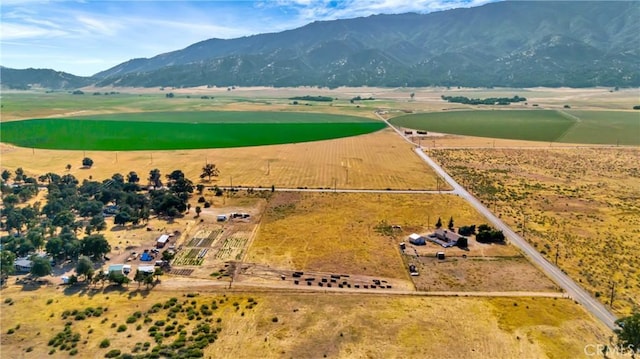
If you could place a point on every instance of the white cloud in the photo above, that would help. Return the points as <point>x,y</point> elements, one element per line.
<point>12,31</point>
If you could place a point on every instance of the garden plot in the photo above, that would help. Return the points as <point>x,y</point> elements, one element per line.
<point>204,238</point>
<point>232,248</point>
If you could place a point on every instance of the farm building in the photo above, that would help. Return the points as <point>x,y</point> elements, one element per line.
<point>447,236</point>
<point>162,240</point>
<point>115,268</point>
<point>146,269</point>
<point>23,265</point>
<point>417,239</point>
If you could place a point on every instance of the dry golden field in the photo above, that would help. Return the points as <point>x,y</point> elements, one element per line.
<point>307,326</point>
<point>378,160</point>
<point>336,232</point>
<point>583,204</point>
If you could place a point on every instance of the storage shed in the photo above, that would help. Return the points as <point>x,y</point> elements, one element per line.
<point>162,240</point>
<point>417,239</point>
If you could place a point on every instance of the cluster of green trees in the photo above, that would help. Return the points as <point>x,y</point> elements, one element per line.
<point>486,101</point>
<point>68,225</point>
<point>312,98</point>
<point>486,234</point>
<point>358,98</point>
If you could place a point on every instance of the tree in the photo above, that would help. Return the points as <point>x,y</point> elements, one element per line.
<point>36,237</point>
<point>450,226</point>
<point>118,278</point>
<point>139,277</point>
<point>133,177</point>
<point>40,267</point>
<point>19,175</point>
<point>97,222</point>
<point>200,188</point>
<point>7,266</point>
<point>439,223</point>
<point>84,267</point>
<point>95,245</point>
<point>629,333</point>
<point>54,247</point>
<point>198,211</point>
<point>64,218</point>
<point>209,170</point>
<point>6,174</point>
<point>87,162</point>
<point>68,167</point>
<point>122,218</point>
<point>155,178</point>
<point>412,95</point>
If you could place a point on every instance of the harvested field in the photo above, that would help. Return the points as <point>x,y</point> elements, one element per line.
<point>338,326</point>
<point>579,204</point>
<point>378,160</point>
<point>340,232</point>
<point>479,274</point>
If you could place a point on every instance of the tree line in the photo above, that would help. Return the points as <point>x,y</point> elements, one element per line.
<point>485,101</point>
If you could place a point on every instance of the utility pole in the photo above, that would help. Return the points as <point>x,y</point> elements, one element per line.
<point>557,252</point>
<point>613,288</point>
<point>347,171</point>
<point>268,167</point>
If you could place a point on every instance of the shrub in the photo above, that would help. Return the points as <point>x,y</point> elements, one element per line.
<point>112,353</point>
<point>29,349</point>
<point>131,320</point>
<point>11,331</point>
<point>122,328</point>
<point>8,300</point>
<point>73,352</point>
<point>105,343</point>
<point>274,319</point>
<point>49,301</point>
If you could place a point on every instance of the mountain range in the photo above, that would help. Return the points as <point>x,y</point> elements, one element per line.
<point>506,44</point>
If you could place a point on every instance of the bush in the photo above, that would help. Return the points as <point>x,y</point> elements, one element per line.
<point>11,331</point>
<point>112,353</point>
<point>105,343</point>
<point>122,328</point>
<point>49,301</point>
<point>131,319</point>
<point>274,319</point>
<point>73,352</point>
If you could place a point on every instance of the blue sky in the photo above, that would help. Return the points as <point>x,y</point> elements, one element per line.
<point>85,37</point>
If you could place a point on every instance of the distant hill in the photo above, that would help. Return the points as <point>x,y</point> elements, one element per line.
<point>510,43</point>
<point>40,78</point>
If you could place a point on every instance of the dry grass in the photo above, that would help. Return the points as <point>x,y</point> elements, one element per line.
<point>311,326</point>
<point>480,274</point>
<point>580,202</point>
<point>378,160</point>
<point>337,231</point>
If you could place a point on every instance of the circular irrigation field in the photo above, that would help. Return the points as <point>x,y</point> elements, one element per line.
<point>182,130</point>
<point>589,127</point>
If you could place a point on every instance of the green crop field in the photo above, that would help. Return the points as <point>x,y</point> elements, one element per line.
<point>592,127</point>
<point>182,130</point>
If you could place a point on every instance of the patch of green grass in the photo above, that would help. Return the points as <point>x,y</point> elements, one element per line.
<point>589,127</point>
<point>534,125</point>
<point>605,127</point>
<point>182,130</point>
